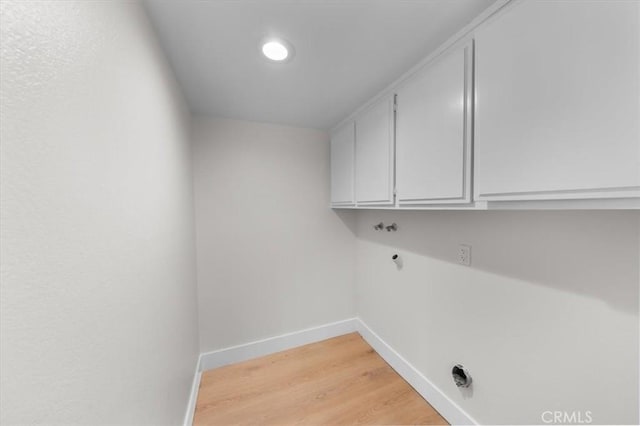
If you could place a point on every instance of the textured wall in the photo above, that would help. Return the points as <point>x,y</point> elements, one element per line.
<point>545,318</point>
<point>272,256</point>
<point>98,303</point>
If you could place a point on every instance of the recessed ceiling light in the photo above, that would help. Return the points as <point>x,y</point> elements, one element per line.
<point>277,50</point>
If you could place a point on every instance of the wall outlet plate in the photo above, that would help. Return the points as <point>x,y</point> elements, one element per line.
<point>464,254</point>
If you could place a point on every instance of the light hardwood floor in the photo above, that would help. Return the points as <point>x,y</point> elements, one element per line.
<point>340,381</point>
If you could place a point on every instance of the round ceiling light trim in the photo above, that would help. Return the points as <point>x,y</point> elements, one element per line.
<point>277,50</point>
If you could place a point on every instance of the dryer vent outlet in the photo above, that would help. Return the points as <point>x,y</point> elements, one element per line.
<point>461,376</point>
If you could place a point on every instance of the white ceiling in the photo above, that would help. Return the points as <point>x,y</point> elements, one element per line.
<point>346,51</point>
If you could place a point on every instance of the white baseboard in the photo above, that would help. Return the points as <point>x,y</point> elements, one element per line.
<point>231,355</point>
<point>193,396</point>
<point>445,406</point>
<point>209,360</point>
<point>275,344</point>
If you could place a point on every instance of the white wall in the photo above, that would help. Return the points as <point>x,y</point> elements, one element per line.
<point>272,256</point>
<point>546,318</point>
<point>98,304</point>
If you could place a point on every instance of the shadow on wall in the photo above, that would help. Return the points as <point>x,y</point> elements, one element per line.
<point>593,253</point>
<point>348,218</point>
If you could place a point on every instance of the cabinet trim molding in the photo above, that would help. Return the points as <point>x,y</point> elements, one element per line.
<point>587,193</point>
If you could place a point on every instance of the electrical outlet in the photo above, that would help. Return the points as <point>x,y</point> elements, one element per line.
<point>464,254</point>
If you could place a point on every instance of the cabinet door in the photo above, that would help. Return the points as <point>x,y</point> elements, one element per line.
<point>342,163</point>
<point>558,101</point>
<point>433,127</point>
<point>374,154</point>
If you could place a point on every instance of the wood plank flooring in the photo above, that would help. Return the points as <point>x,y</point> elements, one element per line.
<point>340,381</point>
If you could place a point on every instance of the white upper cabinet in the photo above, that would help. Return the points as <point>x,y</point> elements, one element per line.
<point>558,101</point>
<point>375,154</point>
<point>433,132</point>
<point>342,162</point>
<point>540,110</point>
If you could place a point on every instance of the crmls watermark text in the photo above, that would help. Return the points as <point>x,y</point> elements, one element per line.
<point>566,417</point>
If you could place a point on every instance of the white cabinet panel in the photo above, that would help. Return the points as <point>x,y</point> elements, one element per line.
<point>374,154</point>
<point>433,150</point>
<point>342,163</point>
<point>558,101</point>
